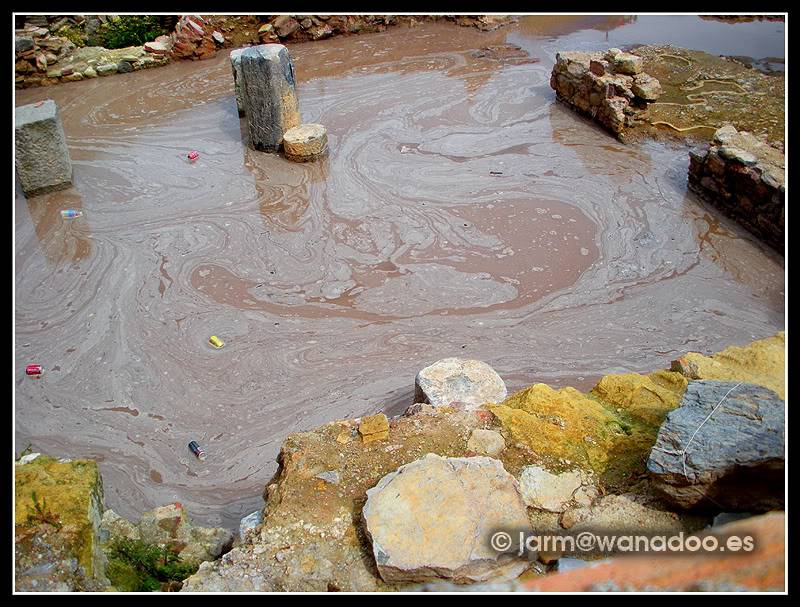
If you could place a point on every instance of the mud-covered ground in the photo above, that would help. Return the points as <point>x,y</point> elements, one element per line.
<point>702,92</point>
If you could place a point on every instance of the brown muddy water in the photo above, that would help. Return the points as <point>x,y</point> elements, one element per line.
<point>462,212</point>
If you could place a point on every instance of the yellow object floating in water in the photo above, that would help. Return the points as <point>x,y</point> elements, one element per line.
<point>216,341</point>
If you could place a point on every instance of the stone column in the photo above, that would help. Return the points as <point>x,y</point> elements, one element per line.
<point>236,68</point>
<point>41,155</point>
<point>268,95</point>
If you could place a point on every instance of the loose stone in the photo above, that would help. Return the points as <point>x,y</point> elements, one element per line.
<point>305,142</point>
<point>722,449</point>
<point>42,157</point>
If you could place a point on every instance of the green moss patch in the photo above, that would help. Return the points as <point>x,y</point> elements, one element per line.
<point>137,566</point>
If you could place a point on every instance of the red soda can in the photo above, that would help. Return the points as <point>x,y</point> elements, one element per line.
<point>33,370</point>
<point>194,155</point>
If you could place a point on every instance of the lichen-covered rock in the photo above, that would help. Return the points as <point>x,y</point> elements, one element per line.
<point>646,397</point>
<point>722,449</point>
<point>612,429</point>
<point>761,362</point>
<point>58,508</point>
<point>472,383</point>
<point>567,428</point>
<point>113,525</point>
<point>433,519</point>
<point>170,526</point>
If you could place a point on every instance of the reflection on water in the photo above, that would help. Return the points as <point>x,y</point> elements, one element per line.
<point>460,212</point>
<point>762,41</point>
<point>556,26</point>
<point>60,239</point>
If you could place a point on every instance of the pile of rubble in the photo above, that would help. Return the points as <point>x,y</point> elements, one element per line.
<point>43,58</point>
<point>45,55</point>
<point>316,27</point>
<point>610,87</point>
<point>193,38</point>
<point>36,50</point>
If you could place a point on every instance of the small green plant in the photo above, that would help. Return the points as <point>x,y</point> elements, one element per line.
<point>41,514</point>
<point>73,34</point>
<point>130,30</point>
<point>137,566</point>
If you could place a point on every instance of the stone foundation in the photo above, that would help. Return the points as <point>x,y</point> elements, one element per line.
<point>609,87</point>
<point>41,153</point>
<point>744,177</point>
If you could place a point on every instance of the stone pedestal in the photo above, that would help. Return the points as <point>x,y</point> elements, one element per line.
<point>236,68</point>
<point>42,157</point>
<point>268,95</point>
<point>305,142</point>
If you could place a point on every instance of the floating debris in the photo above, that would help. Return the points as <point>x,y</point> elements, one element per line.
<point>71,214</point>
<point>197,450</point>
<point>35,370</point>
<point>216,342</point>
<point>194,155</point>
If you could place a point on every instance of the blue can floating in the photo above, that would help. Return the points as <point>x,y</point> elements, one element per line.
<point>197,450</point>
<point>71,214</point>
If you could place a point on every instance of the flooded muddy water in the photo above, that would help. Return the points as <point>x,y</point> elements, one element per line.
<point>461,212</point>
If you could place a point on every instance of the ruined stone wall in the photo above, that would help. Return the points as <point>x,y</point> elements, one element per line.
<point>45,54</point>
<point>610,88</point>
<point>744,177</point>
<point>43,58</point>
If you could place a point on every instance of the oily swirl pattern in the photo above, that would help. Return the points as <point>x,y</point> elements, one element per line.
<point>461,212</point>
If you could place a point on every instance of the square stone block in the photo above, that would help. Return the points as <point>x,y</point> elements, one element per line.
<point>41,155</point>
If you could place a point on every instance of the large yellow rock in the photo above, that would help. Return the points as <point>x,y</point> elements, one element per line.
<point>646,397</point>
<point>611,429</point>
<point>566,427</point>
<point>70,493</point>
<point>761,362</point>
<point>433,519</point>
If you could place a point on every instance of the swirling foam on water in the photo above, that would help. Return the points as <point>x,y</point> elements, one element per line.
<point>461,212</point>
